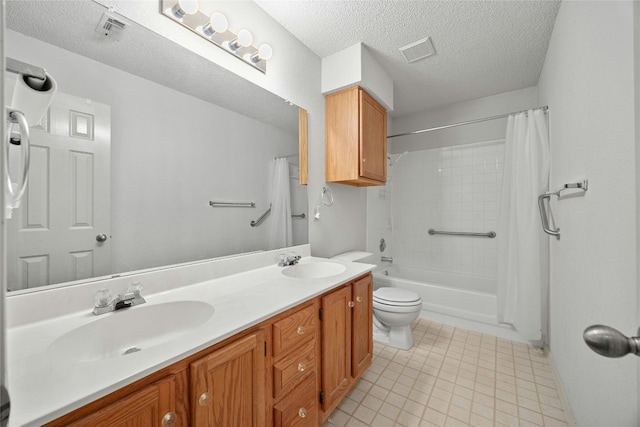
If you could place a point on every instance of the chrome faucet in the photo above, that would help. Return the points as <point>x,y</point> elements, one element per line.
<point>104,302</point>
<point>292,259</point>
<point>386,259</point>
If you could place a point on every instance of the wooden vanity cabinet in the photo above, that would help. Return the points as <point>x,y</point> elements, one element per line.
<point>347,340</point>
<point>295,369</point>
<point>355,138</point>
<point>228,387</point>
<point>289,371</point>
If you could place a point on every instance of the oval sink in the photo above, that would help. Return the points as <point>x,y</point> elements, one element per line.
<point>129,331</point>
<point>314,270</point>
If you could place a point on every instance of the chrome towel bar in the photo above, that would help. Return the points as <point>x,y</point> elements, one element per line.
<point>490,234</point>
<point>232,204</point>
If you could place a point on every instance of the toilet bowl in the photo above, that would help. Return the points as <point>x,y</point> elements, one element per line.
<point>393,311</point>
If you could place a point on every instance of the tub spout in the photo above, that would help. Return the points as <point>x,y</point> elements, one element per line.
<point>386,259</point>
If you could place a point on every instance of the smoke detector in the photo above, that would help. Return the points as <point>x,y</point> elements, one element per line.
<point>110,25</point>
<point>418,50</point>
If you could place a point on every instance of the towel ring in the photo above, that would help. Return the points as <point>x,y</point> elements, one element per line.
<point>327,196</point>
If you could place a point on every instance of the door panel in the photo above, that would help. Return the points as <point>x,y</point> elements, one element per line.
<point>52,236</point>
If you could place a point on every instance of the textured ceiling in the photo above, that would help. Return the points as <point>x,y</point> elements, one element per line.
<point>483,47</point>
<point>71,26</point>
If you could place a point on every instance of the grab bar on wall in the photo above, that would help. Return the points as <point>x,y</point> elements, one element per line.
<point>262,217</point>
<point>490,234</point>
<point>544,216</point>
<point>232,204</point>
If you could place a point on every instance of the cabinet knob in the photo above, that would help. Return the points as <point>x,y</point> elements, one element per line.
<point>205,399</point>
<point>364,160</point>
<point>359,298</point>
<point>300,330</point>
<point>302,367</point>
<point>351,304</point>
<point>302,412</point>
<point>169,419</point>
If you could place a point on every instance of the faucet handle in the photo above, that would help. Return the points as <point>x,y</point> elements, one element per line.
<point>102,298</point>
<point>136,289</point>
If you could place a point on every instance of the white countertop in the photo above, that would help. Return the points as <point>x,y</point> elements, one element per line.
<point>43,389</point>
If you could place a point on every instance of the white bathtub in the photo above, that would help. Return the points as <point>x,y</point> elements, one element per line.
<point>455,299</point>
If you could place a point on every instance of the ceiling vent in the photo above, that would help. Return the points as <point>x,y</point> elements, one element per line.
<point>418,50</point>
<point>110,26</point>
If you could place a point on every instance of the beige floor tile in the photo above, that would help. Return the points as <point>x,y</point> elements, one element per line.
<point>453,377</point>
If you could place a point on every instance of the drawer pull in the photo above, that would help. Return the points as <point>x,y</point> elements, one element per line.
<point>302,367</point>
<point>351,304</point>
<point>359,299</point>
<point>300,330</point>
<point>205,399</point>
<point>302,412</point>
<point>169,419</point>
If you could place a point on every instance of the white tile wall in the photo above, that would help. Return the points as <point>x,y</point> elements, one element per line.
<point>451,189</point>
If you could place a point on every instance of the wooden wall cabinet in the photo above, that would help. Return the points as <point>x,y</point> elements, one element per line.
<point>355,138</point>
<point>347,340</point>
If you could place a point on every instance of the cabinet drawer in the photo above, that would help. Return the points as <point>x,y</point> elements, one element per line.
<point>299,408</point>
<point>294,329</point>
<point>292,369</point>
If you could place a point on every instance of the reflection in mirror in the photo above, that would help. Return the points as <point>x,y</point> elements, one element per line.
<point>141,136</point>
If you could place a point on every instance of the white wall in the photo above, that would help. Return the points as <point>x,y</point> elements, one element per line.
<point>470,110</point>
<point>170,154</point>
<point>293,73</point>
<point>588,82</point>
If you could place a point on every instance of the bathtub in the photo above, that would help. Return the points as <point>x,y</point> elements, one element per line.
<point>455,299</point>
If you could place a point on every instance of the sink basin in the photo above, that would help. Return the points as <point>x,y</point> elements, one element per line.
<point>129,331</point>
<point>314,270</point>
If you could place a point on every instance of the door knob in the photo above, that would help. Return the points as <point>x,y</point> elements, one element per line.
<point>101,238</point>
<point>610,342</point>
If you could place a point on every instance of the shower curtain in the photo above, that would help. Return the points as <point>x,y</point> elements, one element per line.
<point>280,234</point>
<point>522,246</point>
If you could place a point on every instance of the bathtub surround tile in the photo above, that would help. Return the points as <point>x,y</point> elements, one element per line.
<point>500,383</point>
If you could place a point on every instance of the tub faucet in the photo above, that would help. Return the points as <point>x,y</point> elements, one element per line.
<point>104,302</point>
<point>386,259</point>
<point>292,259</point>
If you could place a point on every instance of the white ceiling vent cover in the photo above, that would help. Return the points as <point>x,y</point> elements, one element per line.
<point>110,26</point>
<point>418,50</point>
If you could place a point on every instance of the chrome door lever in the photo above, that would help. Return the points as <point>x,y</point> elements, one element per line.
<point>610,342</point>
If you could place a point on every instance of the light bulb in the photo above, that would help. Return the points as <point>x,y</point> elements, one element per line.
<point>244,39</point>
<point>217,24</point>
<point>265,52</point>
<point>185,7</point>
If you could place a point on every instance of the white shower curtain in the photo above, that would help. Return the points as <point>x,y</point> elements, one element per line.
<point>522,245</point>
<point>280,234</point>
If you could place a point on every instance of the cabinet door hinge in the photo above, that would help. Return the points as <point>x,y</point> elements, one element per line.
<point>321,397</point>
<point>320,313</point>
<point>265,349</point>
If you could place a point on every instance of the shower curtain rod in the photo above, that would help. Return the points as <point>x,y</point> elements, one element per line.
<point>415,132</point>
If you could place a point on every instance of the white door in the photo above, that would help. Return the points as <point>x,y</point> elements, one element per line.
<point>54,236</point>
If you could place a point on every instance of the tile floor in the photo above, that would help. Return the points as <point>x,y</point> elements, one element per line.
<point>454,377</point>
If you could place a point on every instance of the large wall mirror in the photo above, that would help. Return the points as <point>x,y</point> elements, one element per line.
<point>142,135</point>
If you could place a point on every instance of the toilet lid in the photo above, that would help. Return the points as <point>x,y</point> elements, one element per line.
<point>395,296</point>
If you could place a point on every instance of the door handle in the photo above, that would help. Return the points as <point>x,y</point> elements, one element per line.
<point>101,238</point>
<point>610,342</point>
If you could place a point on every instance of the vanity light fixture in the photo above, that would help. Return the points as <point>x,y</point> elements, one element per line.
<point>215,29</point>
<point>184,7</point>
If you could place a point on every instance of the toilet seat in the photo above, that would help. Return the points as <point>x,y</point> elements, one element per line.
<point>395,297</point>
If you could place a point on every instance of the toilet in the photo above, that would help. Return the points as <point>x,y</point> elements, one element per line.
<point>393,309</point>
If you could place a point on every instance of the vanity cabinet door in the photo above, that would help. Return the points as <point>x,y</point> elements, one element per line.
<point>228,386</point>
<point>362,330</point>
<point>154,405</point>
<point>336,347</point>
